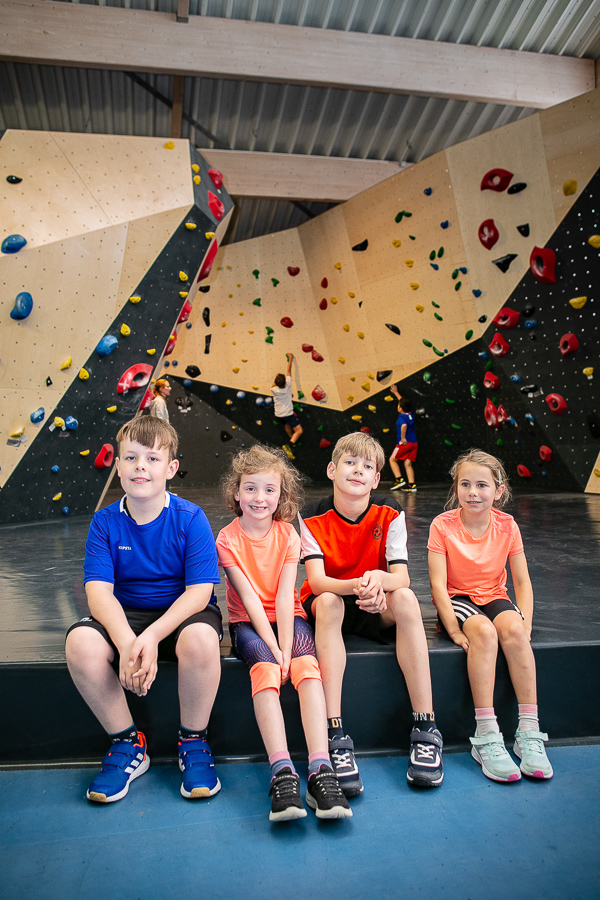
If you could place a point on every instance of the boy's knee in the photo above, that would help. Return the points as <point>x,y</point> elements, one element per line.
<point>265,676</point>
<point>403,603</point>
<point>87,646</point>
<point>197,641</point>
<point>302,667</point>
<point>328,607</point>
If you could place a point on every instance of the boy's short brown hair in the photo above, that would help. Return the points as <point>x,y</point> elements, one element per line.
<point>279,380</point>
<point>149,432</point>
<point>358,443</point>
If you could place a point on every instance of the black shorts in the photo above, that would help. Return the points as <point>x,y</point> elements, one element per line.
<point>293,421</point>
<point>357,621</point>
<point>140,619</point>
<point>464,608</point>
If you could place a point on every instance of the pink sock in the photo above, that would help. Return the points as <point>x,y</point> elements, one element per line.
<point>528,717</point>
<point>486,721</point>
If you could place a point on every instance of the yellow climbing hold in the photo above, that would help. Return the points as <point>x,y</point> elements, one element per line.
<point>409,262</point>
<point>385,430</point>
<point>419,308</point>
<point>67,364</point>
<point>570,187</point>
<point>57,497</point>
<point>597,473</point>
<point>196,179</point>
<point>58,422</point>
<point>357,418</point>
<point>183,294</point>
<point>84,374</point>
<point>234,343</point>
<point>111,409</point>
<point>366,386</point>
<point>397,243</point>
<point>209,235</point>
<point>360,334</point>
<point>19,431</point>
<point>134,299</point>
<point>388,398</point>
<point>169,145</point>
<point>258,422</point>
<point>346,327</point>
<point>125,331</point>
<point>241,313</point>
<point>84,452</point>
<point>342,359</point>
<point>254,387</point>
<point>223,324</point>
<point>578,302</point>
<point>151,352</point>
<point>353,378</point>
<point>337,266</point>
<point>594,241</point>
<point>228,267</point>
<point>229,402</point>
<point>195,168</point>
<point>372,408</point>
<point>588,371</point>
<point>191,226</point>
<point>183,276</point>
<point>350,397</point>
<point>334,300</point>
<point>236,369</point>
<point>233,427</point>
<point>414,285</point>
<point>250,332</point>
<point>371,376</point>
<point>244,359</point>
<point>351,294</point>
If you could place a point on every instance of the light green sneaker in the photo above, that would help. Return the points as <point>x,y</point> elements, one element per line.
<point>494,758</point>
<point>529,747</point>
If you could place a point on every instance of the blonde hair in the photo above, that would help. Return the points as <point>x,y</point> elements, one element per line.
<point>260,458</point>
<point>479,458</point>
<point>149,431</point>
<point>358,443</point>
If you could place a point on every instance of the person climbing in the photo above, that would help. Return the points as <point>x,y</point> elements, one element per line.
<point>284,407</point>
<point>158,407</point>
<point>406,447</point>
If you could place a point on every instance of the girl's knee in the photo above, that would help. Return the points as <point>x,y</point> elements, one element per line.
<point>481,633</point>
<point>511,629</point>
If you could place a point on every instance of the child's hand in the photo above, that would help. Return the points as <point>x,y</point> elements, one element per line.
<point>368,585</point>
<point>142,665</point>
<point>373,603</point>
<point>460,639</point>
<point>285,667</point>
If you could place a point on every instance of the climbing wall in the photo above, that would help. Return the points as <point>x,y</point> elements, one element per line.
<point>104,241</point>
<point>405,280</point>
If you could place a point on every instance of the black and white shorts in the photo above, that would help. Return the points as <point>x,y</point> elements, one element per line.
<point>464,608</point>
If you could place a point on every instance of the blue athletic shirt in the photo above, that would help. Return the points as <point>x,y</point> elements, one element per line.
<point>151,565</point>
<point>407,419</point>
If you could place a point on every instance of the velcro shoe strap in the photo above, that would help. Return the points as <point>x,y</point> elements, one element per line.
<point>426,737</point>
<point>533,735</point>
<point>490,738</point>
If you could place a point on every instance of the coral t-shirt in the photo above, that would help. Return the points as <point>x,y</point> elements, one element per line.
<point>262,562</point>
<point>476,566</point>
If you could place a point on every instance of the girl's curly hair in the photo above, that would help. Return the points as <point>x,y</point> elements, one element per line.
<point>261,458</point>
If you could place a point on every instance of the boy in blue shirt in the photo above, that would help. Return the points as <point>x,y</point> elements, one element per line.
<point>150,566</point>
<point>406,446</point>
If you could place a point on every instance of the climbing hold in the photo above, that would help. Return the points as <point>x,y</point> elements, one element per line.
<point>428,191</point>
<point>578,302</point>
<point>38,416</point>
<point>307,348</point>
<point>523,229</point>
<point>362,246</point>
<point>463,269</point>
<point>14,179</point>
<point>545,453</point>
<point>361,335</point>
<point>208,261</point>
<point>372,408</point>
<point>84,452</point>
<point>323,303</point>
<point>419,308</point>
<point>402,215</point>
<point>427,343</point>
<point>334,300</point>
<point>557,404</point>
<point>183,276</point>
<point>438,317</point>
<point>523,471</point>
<point>256,302</point>
<point>488,233</point>
<point>23,305</point>
<point>215,206</point>
<point>491,381</point>
<point>346,327</point>
<point>13,243</point>
<point>468,335</point>
<point>397,243</point>
<point>414,285</point>
<point>506,318</point>
<point>440,253</point>
<point>169,145</point>
<point>71,423</point>
<point>366,386</point>
<point>216,177</point>
<point>594,241</point>
<point>19,431</point>
<point>496,180</point>
<point>125,330</point>
<point>191,226</point>
<point>316,356</point>
<point>206,316</point>
<point>106,345</point>
<point>570,187</point>
<point>342,359</point>
<point>455,275</point>
<point>383,374</point>
<point>589,372</point>
<point>57,496</point>
<point>409,263</point>
<point>111,409</point>
<point>337,266</point>
<point>214,388</point>
<point>516,379</point>
<point>393,328</point>
<point>476,292</point>
<point>104,460</point>
<point>151,352</point>
<point>324,443</point>
<point>269,339</point>
<point>542,263</point>
<point>517,188</point>
<point>445,224</point>
<point>55,469</point>
<point>438,352</point>
<point>324,282</point>
<point>293,270</point>
<point>48,381</point>
<point>318,393</point>
<point>457,427</point>
<point>269,330</point>
<point>185,312</point>
<point>504,262</point>
<point>274,282</point>
<point>196,179</point>
<point>286,322</point>
<point>491,414</point>
<point>568,344</point>
<point>192,371</point>
<point>170,345</point>
<point>241,395</point>
<point>134,299</point>
<point>135,377</point>
<point>448,400</point>
<point>499,347</point>
<point>530,389</point>
<point>300,396</point>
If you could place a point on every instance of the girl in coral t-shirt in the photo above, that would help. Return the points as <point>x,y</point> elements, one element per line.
<point>468,549</point>
<point>259,552</point>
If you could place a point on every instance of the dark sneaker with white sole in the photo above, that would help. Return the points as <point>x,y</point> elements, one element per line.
<point>425,767</point>
<point>325,795</point>
<point>343,760</point>
<point>286,802</point>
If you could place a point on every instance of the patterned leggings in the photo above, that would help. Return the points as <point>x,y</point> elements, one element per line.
<point>247,645</point>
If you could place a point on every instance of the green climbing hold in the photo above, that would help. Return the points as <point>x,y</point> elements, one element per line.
<point>269,330</point>
<point>427,343</point>
<point>439,352</point>
<point>432,254</point>
<point>320,428</point>
<point>297,406</point>
<point>426,376</point>
<point>269,339</point>
<point>438,317</point>
<point>440,252</point>
<point>437,305</point>
<point>403,214</point>
<point>256,302</point>
<point>448,400</point>
<point>458,427</point>
<point>474,390</point>
<point>300,395</point>
<point>458,286</point>
<point>412,237</point>
<point>500,442</point>
<point>448,443</point>
<point>469,335</point>
<point>489,365</point>
<point>455,275</point>
<point>256,273</point>
<point>274,282</point>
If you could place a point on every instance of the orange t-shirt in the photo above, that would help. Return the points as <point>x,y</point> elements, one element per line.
<point>262,562</point>
<point>476,566</point>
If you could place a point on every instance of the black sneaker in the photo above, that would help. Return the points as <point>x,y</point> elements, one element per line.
<point>286,802</point>
<point>343,760</point>
<point>398,484</point>
<point>409,488</point>
<point>425,768</point>
<point>325,795</point>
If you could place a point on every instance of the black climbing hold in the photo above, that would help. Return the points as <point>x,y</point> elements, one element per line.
<point>205,288</point>
<point>529,388</point>
<point>362,246</point>
<point>504,262</point>
<point>48,381</point>
<point>482,319</point>
<point>523,229</point>
<point>594,425</point>
<point>528,311</point>
<point>206,316</point>
<point>393,328</point>
<point>192,371</point>
<point>207,339</point>
<point>360,304</point>
<point>184,403</point>
<point>225,436</point>
<point>517,188</point>
<point>383,374</point>
<point>182,473</point>
<point>14,179</point>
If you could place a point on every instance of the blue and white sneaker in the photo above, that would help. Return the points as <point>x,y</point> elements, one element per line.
<point>123,762</point>
<point>425,766</point>
<point>198,767</point>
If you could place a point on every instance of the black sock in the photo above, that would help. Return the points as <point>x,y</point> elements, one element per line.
<point>424,721</point>
<point>185,734</point>
<point>335,727</point>
<point>129,734</point>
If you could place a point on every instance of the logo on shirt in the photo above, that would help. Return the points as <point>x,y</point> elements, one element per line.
<point>377,533</point>
<point>123,547</point>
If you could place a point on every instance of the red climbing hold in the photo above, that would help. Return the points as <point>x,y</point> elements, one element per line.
<point>491,381</point>
<point>323,303</point>
<point>147,398</point>
<point>557,404</point>
<point>491,414</point>
<point>545,453</point>
<point>324,282</point>
<point>170,345</point>
<point>293,270</point>
<point>215,206</point>
<point>104,460</point>
<point>542,263</point>
<point>324,443</point>
<point>286,322</point>
<point>208,261</point>
<point>499,347</point>
<point>488,233</point>
<point>318,393</point>
<point>496,180</point>
<point>502,415</point>
<point>135,377</point>
<point>523,471</point>
<point>568,344</point>
<point>217,180</point>
<point>316,356</point>
<point>185,312</point>
<point>365,429</point>
<point>506,318</point>
<point>307,348</point>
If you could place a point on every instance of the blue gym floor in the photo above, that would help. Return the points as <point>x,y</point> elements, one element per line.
<point>470,839</point>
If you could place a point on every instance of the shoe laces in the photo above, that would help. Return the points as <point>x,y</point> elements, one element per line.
<point>326,784</point>
<point>343,759</point>
<point>533,745</point>
<point>496,749</point>
<point>285,786</point>
<point>425,752</point>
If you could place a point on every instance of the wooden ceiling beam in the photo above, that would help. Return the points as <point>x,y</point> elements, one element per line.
<point>64,34</point>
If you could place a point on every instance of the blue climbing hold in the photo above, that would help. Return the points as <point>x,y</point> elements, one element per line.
<point>445,224</point>
<point>106,345</point>
<point>214,388</point>
<point>516,379</point>
<point>38,416</point>
<point>241,395</point>
<point>174,363</point>
<point>260,401</point>
<point>434,266</point>
<point>529,418</point>
<point>531,323</point>
<point>23,305</point>
<point>476,292</point>
<point>187,382</point>
<point>65,510</point>
<point>463,269</point>
<point>483,354</point>
<point>13,243</point>
<point>71,423</point>
<point>55,469</point>
<point>428,192</point>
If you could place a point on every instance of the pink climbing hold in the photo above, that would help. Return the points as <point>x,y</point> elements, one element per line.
<point>286,322</point>
<point>307,348</point>
<point>496,180</point>
<point>499,347</point>
<point>568,344</point>
<point>542,263</point>
<point>557,404</point>
<point>523,471</point>
<point>215,206</point>
<point>318,393</point>
<point>323,303</point>
<point>491,414</point>
<point>208,261</point>
<point>324,443</point>
<point>135,377</point>
<point>185,312</point>
<point>217,180</point>
<point>324,282</point>
<point>488,233</point>
<point>491,381</point>
<point>170,345</point>
<point>316,356</point>
<point>545,453</point>
<point>104,460</point>
<point>506,318</point>
<point>293,270</point>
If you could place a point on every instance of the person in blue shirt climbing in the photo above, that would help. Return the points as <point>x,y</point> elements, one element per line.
<point>150,566</point>
<point>406,446</point>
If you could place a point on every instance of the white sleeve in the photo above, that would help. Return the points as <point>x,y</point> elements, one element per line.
<point>310,546</point>
<point>396,550</point>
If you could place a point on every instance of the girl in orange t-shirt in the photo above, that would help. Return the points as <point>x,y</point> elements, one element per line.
<point>259,552</point>
<point>468,549</point>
